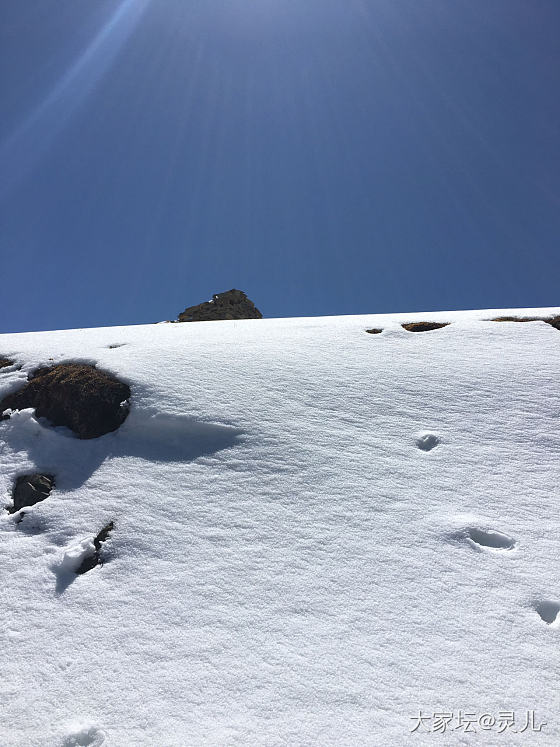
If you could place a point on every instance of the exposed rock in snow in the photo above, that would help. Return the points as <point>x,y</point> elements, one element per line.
<point>78,396</point>
<point>31,489</point>
<point>92,559</point>
<point>6,362</point>
<point>232,304</point>
<point>79,558</point>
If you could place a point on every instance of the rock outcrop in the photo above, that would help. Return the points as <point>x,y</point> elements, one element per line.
<point>232,304</point>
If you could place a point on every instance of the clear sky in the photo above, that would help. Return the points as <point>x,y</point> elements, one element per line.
<point>325,156</point>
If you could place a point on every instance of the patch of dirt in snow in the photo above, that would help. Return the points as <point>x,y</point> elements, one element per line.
<point>374,331</point>
<point>5,362</point>
<point>30,489</point>
<point>424,326</point>
<point>76,395</point>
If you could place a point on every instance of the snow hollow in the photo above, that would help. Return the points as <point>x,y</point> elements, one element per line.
<point>302,534</point>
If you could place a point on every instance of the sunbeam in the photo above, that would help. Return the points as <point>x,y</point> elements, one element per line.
<point>28,143</point>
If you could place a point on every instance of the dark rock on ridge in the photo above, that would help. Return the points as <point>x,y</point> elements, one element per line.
<point>232,304</point>
<point>31,489</point>
<point>76,395</point>
<point>5,362</point>
<point>89,562</point>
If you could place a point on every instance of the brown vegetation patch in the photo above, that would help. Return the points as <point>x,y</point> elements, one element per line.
<point>424,326</point>
<point>554,321</point>
<point>89,562</point>
<point>76,395</point>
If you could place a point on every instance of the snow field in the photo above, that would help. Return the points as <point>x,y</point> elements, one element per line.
<point>318,533</point>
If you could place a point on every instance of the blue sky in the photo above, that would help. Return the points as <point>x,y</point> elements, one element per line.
<point>325,156</point>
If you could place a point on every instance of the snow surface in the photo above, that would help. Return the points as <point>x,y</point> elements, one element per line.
<point>318,533</point>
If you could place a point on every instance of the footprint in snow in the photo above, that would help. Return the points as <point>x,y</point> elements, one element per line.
<point>427,441</point>
<point>483,539</point>
<point>549,612</point>
<point>85,736</point>
<point>489,539</point>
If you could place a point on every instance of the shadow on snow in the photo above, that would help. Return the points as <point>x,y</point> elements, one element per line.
<point>156,437</point>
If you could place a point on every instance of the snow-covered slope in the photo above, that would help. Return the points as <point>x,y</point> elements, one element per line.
<point>291,563</point>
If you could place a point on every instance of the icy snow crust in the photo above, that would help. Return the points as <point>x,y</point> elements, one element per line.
<point>294,559</point>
